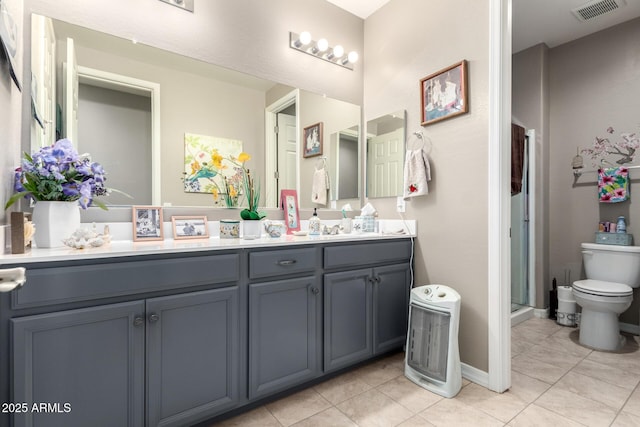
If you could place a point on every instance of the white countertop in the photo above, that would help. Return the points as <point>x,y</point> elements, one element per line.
<point>125,248</point>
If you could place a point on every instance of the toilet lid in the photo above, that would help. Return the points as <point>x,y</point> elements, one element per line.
<point>600,287</point>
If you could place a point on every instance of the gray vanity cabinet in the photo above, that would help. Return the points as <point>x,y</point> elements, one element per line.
<point>192,356</point>
<point>285,312</point>
<point>390,306</point>
<point>95,359</point>
<point>89,361</point>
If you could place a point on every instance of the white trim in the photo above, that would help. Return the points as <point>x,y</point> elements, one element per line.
<point>499,276</point>
<point>270,145</point>
<point>521,315</point>
<point>541,313</point>
<point>475,375</point>
<point>531,232</point>
<point>139,87</point>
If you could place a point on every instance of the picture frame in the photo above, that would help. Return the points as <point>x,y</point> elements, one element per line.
<point>443,94</point>
<point>289,203</point>
<point>312,139</point>
<point>190,227</point>
<point>147,223</point>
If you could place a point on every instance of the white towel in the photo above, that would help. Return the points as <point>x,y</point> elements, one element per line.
<point>320,186</point>
<point>416,174</point>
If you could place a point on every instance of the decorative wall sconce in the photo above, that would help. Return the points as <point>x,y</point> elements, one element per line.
<point>320,49</point>
<point>182,4</point>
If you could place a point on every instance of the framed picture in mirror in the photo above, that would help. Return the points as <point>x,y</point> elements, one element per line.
<point>289,203</point>
<point>147,223</point>
<point>190,227</point>
<point>444,94</point>
<point>312,138</point>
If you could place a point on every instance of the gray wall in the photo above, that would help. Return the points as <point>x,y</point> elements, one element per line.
<point>348,167</point>
<point>452,219</point>
<point>594,83</point>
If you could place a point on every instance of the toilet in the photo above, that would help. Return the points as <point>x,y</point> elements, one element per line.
<point>612,273</point>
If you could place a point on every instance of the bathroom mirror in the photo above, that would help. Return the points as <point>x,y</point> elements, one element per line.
<point>153,98</point>
<point>385,154</point>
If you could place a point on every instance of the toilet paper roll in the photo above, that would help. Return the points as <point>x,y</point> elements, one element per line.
<point>565,293</point>
<point>566,306</point>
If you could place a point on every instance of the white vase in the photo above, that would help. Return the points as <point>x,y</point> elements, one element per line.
<point>55,221</point>
<point>251,229</point>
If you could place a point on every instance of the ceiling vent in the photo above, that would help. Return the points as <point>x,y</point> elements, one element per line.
<point>596,8</point>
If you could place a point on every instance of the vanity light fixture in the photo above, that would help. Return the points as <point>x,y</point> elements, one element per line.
<point>320,49</point>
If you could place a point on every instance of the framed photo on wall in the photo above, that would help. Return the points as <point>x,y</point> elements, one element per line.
<point>312,138</point>
<point>147,223</point>
<point>443,94</point>
<point>289,203</point>
<point>190,227</point>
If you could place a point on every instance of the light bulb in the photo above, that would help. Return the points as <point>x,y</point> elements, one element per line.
<point>305,38</point>
<point>322,45</point>
<point>353,56</point>
<point>338,51</point>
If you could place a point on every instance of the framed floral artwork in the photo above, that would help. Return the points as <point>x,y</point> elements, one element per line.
<point>209,167</point>
<point>190,227</point>
<point>312,138</point>
<point>289,203</point>
<point>443,94</point>
<point>147,223</point>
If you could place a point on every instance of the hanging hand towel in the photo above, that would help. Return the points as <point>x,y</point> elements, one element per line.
<point>613,185</point>
<point>416,174</point>
<point>320,186</point>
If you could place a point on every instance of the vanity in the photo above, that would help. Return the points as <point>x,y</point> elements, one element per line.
<point>172,334</point>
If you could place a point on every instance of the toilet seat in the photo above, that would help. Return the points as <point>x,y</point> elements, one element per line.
<point>603,288</point>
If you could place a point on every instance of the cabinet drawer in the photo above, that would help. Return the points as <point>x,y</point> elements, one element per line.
<point>367,253</point>
<point>56,285</point>
<point>282,262</point>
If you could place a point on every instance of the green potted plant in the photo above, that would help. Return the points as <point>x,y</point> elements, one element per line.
<point>252,226</point>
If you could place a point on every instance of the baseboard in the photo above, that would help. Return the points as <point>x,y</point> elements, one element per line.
<point>475,375</point>
<point>521,315</point>
<point>541,313</point>
<point>629,328</point>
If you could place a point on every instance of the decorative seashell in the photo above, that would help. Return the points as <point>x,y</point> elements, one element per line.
<point>87,238</point>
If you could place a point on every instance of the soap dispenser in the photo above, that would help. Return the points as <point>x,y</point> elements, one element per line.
<point>314,224</point>
<point>621,227</point>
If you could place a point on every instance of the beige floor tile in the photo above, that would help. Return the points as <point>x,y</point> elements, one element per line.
<point>526,388</point>
<point>416,421</point>
<point>526,334</point>
<point>297,407</point>
<point>626,419</point>
<point>537,369</point>
<point>502,406</point>
<point>567,332</point>
<point>577,408</point>
<point>519,346</point>
<point>373,408</point>
<point>633,404</point>
<point>566,345</point>
<point>379,372</point>
<point>331,417</point>
<point>536,416</point>
<point>558,358</point>
<point>629,362</point>
<point>541,326</point>
<point>342,388</point>
<point>451,412</point>
<point>609,373</point>
<point>595,389</point>
<point>259,417</point>
<point>408,394</point>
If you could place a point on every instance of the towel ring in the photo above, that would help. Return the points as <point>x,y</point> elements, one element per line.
<point>322,162</point>
<point>417,141</point>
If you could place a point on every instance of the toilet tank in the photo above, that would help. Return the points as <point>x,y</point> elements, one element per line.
<point>612,263</point>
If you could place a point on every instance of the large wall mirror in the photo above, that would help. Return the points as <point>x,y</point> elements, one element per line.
<point>385,154</point>
<point>130,106</point>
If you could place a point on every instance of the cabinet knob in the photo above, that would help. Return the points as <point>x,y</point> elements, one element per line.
<point>153,317</point>
<point>315,290</point>
<point>377,279</point>
<point>138,321</point>
<point>286,262</point>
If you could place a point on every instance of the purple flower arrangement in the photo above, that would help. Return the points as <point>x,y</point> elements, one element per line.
<point>59,173</point>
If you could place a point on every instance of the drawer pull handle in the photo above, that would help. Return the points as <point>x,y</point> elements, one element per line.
<point>315,290</point>
<point>138,321</point>
<point>286,262</point>
<point>154,318</point>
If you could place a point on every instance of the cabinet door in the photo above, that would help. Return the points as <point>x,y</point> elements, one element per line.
<point>390,306</point>
<point>192,356</point>
<point>347,318</point>
<point>91,359</point>
<point>283,334</point>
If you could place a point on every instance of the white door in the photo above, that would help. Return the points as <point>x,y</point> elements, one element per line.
<point>385,159</point>
<point>287,152</point>
<point>43,69</point>
<point>70,94</point>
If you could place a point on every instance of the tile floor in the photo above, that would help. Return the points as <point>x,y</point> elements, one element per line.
<point>555,382</point>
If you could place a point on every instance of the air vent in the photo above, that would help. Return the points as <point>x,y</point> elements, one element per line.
<point>596,8</point>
